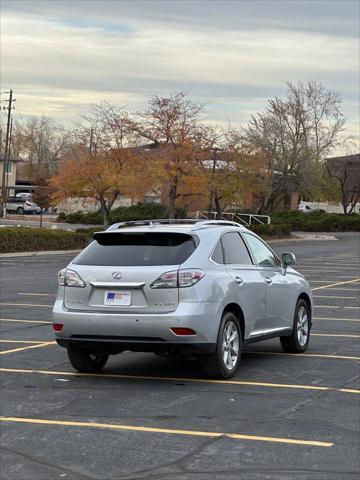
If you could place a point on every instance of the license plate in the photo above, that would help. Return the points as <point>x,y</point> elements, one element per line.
<point>117,298</point>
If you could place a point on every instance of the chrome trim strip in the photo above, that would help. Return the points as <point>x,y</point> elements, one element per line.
<point>258,333</point>
<point>118,284</point>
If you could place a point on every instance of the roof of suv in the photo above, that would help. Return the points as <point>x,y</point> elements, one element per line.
<point>179,225</point>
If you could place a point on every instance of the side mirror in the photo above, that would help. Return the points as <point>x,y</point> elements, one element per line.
<point>288,259</point>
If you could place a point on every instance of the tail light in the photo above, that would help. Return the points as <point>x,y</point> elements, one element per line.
<point>178,279</point>
<point>69,278</point>
<point>57,327</point>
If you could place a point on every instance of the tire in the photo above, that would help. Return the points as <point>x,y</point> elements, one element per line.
<point>298,341</point>
<point>221,364</point>
<point>85,361</point>
<point>20,211</point>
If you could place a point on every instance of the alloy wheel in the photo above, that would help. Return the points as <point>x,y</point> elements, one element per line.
<point>302,326</point>
<point>230,345</point>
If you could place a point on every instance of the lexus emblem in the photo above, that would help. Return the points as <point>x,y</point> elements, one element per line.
<point>116,275</point>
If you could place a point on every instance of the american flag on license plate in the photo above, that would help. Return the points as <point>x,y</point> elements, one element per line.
<point>111,296</point>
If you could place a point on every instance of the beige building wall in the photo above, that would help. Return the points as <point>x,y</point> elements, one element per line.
<point>77,204</point>
<point>10,178</point>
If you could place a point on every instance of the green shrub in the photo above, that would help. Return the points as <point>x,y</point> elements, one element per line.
<point>28,239</point>
<point>61,217</point>
<point>72,217</point>
<point>92,218</point>
<point>141,211</point>
<point>317,221</point>
<point>272,230</point>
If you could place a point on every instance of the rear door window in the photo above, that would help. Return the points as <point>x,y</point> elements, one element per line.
<point>217,255</point>
<point>235,250</point>
<point>137,249</point>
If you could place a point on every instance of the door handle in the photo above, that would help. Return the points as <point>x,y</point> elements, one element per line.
<point>268,280</point>
<point>239,280</point>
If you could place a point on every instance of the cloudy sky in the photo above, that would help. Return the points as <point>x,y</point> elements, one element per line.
<point>61,56</point>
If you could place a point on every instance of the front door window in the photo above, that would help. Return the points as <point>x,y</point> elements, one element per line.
<point>262,255</point>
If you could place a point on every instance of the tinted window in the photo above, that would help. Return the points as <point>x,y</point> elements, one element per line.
<point>137,249</point>
<point>218,256</point>
<point>235,250</point>
<point>262,255</point>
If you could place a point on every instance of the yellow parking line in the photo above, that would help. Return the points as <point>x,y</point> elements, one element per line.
<point>177,379</point>
<point>25,305</point>
<point>320,355</point>
<point>170,431</point>
<point>318,281</point>
<point>347,288</point>
<point>348,390</point>
<point>45,344</point>
<point>336,284</point>
<point>21,321</point>
<point>334,335</point>
<point>337,319</point>
<point>23,341</point>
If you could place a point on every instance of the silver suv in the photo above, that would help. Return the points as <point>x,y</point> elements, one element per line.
<point>202,288</point>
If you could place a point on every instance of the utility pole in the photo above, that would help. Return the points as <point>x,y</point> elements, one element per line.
<point>6,154</point>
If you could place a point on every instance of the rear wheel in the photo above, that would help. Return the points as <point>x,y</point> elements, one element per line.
<point>86,361</point>
<point>298,341</point>
<point>20,210</point>
<point>224,362</point>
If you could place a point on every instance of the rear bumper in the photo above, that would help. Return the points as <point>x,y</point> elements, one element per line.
<point>118,346</point>
<point>139,332</point>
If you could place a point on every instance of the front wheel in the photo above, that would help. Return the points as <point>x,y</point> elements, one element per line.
<point>86,361</point>
<point>20,211</point>
<point>224,362</point>
<point>298,341</point>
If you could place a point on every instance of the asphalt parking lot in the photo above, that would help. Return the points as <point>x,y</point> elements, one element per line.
<point>282,417</point>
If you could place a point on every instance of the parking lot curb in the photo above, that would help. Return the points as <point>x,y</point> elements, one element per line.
<point>301,236</point>
<point>36,254</point>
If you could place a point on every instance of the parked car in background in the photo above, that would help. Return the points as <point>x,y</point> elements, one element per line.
<point>198,288</point>
<point>305,209</point>
<point>21,205</point>
<point>24,195</point>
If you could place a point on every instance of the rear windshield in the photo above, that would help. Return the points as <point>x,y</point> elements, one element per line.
<point>137,249</point>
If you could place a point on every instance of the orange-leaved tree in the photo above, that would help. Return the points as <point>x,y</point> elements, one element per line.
<point>101,177</point>
<point>234,171</point>
<point>173,133</point>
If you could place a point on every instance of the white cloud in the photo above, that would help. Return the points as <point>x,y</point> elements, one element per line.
<point>59,68</point>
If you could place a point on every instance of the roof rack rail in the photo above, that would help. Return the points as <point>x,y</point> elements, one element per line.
<point>197,224</point>
<point>153,222</point>
<point>213,223</point>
